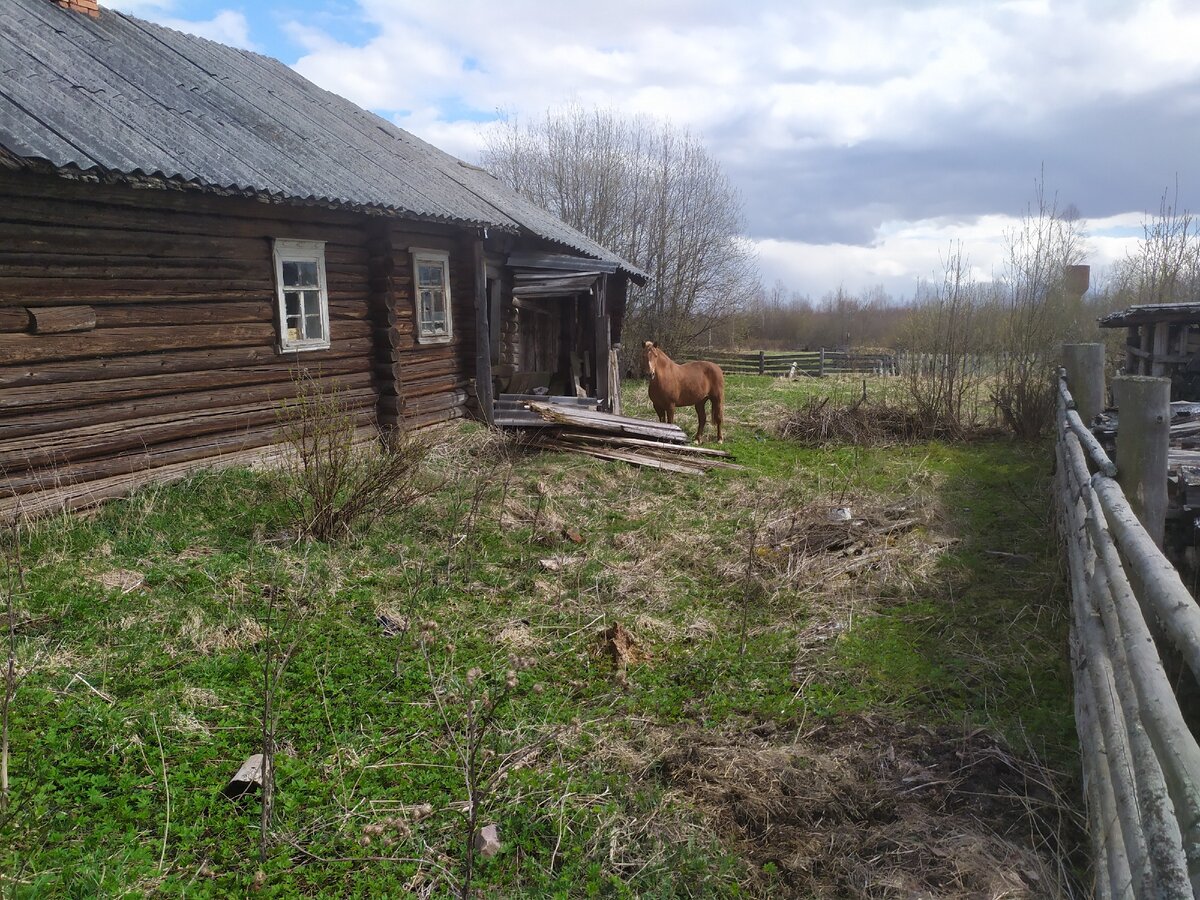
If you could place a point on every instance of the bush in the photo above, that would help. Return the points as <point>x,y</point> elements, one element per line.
<point>339,474</point>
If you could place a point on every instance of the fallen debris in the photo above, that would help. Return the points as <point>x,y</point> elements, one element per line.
<point>618,644</point>
<point>656,445</point>
<point>126,580</point>
<point>487,841</point>
<point>559,563</point>
<point>248,777</point>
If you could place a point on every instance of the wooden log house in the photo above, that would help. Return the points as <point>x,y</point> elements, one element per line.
<point>186,227</point>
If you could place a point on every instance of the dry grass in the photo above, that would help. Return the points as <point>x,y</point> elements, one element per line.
<point>866,423</point>
<point>864,808</point>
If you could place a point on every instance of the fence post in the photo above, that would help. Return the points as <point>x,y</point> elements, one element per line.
<point>762,363</point>
<point>1085,378</point>
<point>821,364</point>
<point>1143,436</point>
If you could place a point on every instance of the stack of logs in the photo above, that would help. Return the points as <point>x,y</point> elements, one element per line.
<point>656,445</point>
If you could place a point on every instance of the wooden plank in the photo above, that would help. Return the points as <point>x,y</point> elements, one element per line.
<point>609,423</point>
<point>61,319</point>
<point>621,456</point>
<point>642,442</point>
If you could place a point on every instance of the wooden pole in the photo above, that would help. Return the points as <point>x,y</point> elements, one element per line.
<point>1085,378</point>
<point>762,363</point>
<point>483,343</point>
<point>821,365</point>
<point>1143,434</point>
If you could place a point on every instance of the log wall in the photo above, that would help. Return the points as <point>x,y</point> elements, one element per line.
<point>434,382</point>
<point>138,333</point>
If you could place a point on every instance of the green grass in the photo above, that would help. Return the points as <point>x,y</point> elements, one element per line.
<point>128,692</point>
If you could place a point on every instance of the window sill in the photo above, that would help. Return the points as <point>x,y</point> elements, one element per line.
<point>302,348</point>
<point>435,339</point>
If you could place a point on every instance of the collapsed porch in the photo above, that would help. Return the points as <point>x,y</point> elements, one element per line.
<point>553,332</point>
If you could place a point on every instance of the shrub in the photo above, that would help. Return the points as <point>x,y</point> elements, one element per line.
<point>341,474</point>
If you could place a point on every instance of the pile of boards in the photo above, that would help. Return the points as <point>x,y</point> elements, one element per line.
<point>657,445</point>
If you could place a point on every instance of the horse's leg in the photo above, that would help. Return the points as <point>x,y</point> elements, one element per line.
<point>661,412</point>
<point>699,421</point>
<point>718,411</point>
<point>671,413</point>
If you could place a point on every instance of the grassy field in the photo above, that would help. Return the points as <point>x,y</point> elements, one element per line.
<point>792,706</point>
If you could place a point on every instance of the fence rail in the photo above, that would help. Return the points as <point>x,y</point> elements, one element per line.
<point>1141,762</point>
<point>818,363</point>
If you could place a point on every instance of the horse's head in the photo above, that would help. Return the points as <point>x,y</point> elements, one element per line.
<point>650,354</point>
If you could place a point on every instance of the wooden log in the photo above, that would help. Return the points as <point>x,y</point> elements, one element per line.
<point>177,402</point>
<point>101,440</point>
<point>227,219</point>
<point>61,319</point>
<point>15,318</point>
<point>1163,593</point>
<point>43,397</point>
<point>27,348</point>
<point>177,361</point>
<point>1085,378</point>
<point>1121,613</point>
<point>19,348</point>
<point>1109,783</point>
<point>1142,442</point>
<point>188,449</point>
<point>81,496</point>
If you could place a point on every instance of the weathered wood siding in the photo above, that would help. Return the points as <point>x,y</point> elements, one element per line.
<point>435,382</point>
<point>181,364</point>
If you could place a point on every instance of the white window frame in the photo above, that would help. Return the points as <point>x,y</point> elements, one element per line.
<point>423,255</point>
<point>286,250</point>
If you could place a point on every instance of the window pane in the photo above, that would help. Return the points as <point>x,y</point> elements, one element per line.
<point>291,302</point>
<point>429,275</point>
<point>293,328</point>
<point>312,302</point>
<point>426,306</point>
<point>306,274</point>
<point>291,274</point>
<point>312,326</point>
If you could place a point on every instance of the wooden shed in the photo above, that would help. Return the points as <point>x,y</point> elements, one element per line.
<point>186,227</point>
<point>1162,339</point>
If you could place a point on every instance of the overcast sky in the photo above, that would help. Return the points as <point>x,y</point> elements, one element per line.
<point>862,136</point>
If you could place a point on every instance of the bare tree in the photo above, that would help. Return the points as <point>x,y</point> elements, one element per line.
<point>1036,314</point>
<point>945,373</point>
<point>1166,266</point>
<point>651,193</point>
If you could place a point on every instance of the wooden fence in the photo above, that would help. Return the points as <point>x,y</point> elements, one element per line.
<point>1141,763</point>
<point>818,363</point>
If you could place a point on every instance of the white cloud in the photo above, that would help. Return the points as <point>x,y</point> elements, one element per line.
<point>861,122</point>
<point>907,252</point>
<point>227,26</point>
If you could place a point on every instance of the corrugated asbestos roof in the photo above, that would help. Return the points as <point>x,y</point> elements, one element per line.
<point>125,96</point>
<point>1152,312</point>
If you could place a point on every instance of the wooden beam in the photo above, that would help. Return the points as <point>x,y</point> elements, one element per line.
<point>483,343</point>
<point>61,319</point>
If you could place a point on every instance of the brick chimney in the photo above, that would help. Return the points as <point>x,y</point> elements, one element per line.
<point>90,7</point>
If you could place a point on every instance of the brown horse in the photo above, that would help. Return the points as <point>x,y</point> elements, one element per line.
<point>691,384</point>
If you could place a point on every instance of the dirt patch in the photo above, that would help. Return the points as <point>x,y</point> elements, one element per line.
<point>877,809</point>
